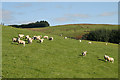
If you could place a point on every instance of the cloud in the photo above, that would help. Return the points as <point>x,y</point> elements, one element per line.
<point>23,5</point>
<point>108,14</point>
<point>72,17</point>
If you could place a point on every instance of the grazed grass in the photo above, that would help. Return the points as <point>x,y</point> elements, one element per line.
<point>60,58</point>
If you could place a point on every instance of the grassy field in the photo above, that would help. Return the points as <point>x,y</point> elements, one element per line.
<point>60,58</point>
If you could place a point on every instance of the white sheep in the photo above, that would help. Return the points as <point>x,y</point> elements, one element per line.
<point>41,40</point>
<point>80,40</point>
<point>110,59</point>
<point>45,37</point>
<point>51,38</point>
<point>84,53</point>
<point>14,39</point>
<point>20,35</point>
<point>30,40</point>
<point>21,42</point>
<point>65,37</point>
<point>106,43</point>
<point>89,42</point>
<point>27,36</point>
<point>106,57</point>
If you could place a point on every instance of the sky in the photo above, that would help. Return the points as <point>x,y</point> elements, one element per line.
<point>60,13</point>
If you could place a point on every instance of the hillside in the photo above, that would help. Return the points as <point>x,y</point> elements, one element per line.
<point>60,58</point>
<point>73,30</point>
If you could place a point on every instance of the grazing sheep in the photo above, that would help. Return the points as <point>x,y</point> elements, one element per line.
<point>37,37</point>
<point>89,42</point>
<point>21,42</point>
<point>30,40</point>
<point>27,36</point>
<point>110,59</point>
<point>80,40</point>
<point>51,38</point>
<point>84,53</point>
<point>14,39</point>
<point>106,57</point>
<point>41,40</point>
<point>65,37</point>
<point>20,35</point>
<point>45,37</point>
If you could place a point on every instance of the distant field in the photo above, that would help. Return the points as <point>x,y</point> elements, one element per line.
<point>73,30</point>
<point>60,58</point>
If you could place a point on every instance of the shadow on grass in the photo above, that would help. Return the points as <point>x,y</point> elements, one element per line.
<point>102,60</point>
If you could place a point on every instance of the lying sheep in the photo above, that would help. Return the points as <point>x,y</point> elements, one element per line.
<point>21,42</point>
<point>89,42</point>
<point>20,35</point>
<point>51,38</point>
<point>84,53</point>
<point>45,37</point>
<point>65,37</point>
<point>41,40</point>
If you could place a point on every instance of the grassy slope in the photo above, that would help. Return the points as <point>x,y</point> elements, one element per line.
<point>56,59</point>
<point>73,30</point>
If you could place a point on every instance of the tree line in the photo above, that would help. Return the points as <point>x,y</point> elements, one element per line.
<point>33,25</point>
<point>103,35</point>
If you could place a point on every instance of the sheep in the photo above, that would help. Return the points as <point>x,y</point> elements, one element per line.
<point>106,57</point>
<point>36,37</point>
<point>110,59</point>
<point>80,40</point>
<point>89,42</point>
<point>106,43</point>
<point>14,39</point>
<point>45,37</point>
<point>41,40</point>
<point>27,36</point>
<point>20,35</point>
<point>65,37</point>
<point>21,42</point>
<point>51,38</point>
<point>84,53</point>
<point>30,40</point>
<point>60,34</point>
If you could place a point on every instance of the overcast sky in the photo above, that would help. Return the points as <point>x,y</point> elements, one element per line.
<point>59,13</point>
